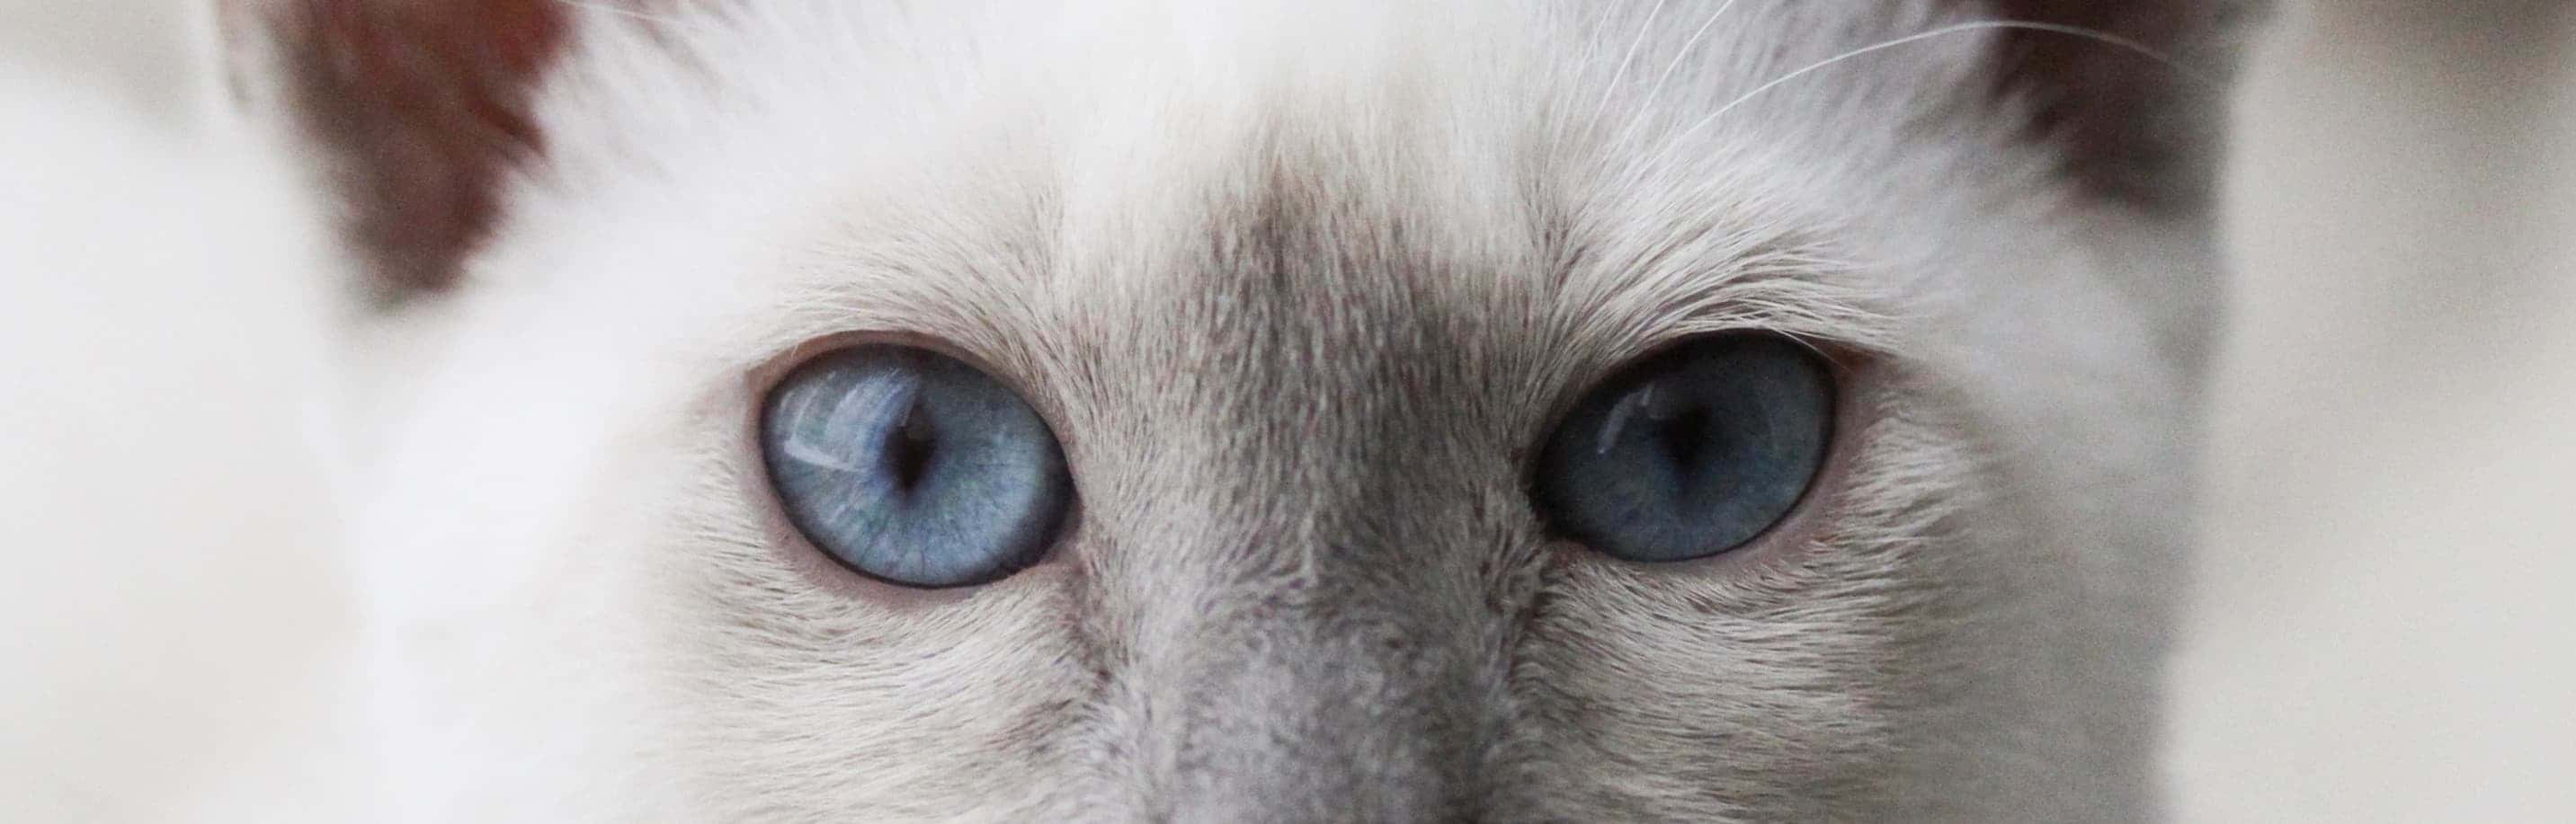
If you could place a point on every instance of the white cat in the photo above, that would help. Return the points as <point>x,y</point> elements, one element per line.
<point>1700,410</point>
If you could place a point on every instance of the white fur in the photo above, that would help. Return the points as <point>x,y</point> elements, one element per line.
<point>580,612</point>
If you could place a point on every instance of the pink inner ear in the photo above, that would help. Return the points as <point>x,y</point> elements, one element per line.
<point>422,107</point>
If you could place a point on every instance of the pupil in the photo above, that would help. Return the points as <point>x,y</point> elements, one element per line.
<point>1684,437</point>
<point>911,448</point>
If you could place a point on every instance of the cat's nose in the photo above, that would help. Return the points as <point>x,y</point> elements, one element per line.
<point>1308,718</point>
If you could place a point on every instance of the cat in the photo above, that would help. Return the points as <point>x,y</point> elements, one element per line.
<point>1694,410</point>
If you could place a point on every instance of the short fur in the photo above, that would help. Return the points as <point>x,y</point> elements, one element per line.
<point>1301,285</point>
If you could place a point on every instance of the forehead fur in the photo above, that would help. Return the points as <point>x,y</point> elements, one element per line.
<point>1595,157</point>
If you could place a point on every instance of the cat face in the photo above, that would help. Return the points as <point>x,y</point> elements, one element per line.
<point>1301,297</point>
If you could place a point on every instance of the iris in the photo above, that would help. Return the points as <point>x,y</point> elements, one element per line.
<point>914,468</point>
<point>1691,452</point>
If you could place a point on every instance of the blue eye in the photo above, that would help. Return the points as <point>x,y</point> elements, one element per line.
<point>914,468</point>
<point>1689,453</point>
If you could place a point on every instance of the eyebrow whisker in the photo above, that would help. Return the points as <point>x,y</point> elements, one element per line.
<point>1612,90</point>
<point>1679,57</point>
<point>2096,35</point>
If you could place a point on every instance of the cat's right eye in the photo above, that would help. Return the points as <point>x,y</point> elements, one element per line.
<point>1690,453</point>
<point>914,468</point>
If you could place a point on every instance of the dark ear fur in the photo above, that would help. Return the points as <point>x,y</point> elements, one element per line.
<point>415,109</point>
<point>2133,129</point>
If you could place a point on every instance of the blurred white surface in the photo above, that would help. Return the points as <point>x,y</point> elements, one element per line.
<point>168,593</point>
<point>2383,630</point>
<point>2379,633</point>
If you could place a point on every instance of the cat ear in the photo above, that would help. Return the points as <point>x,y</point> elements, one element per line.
<point>2133,128</point>
<point>413,111</point>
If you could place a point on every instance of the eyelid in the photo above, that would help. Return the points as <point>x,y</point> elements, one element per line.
<point>1845,362</point>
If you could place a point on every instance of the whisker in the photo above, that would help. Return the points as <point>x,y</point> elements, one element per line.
<point>1612,90</point>
<point>616,11</point>
<point>1563,97</point>
<point>1680,57</point>
<point>2143,50</point>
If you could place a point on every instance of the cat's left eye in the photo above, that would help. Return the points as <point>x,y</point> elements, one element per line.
<point>1690,453</point>
<point>913,467</point>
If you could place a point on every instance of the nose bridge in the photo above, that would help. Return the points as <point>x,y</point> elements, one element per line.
<point>1340,661</point>
<point>1329,693</point>
<point>1309,561</point>
<point>1322,734</point>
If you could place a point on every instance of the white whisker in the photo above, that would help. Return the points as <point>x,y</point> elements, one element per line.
<point>1562,97</point>
<point>2169,61</point>
<point>1612,90</point>
<point>614,11</point>
<point>1679,57</point>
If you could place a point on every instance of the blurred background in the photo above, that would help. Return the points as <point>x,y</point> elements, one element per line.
<point>2383,628</point>
<point>2380,631</point>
